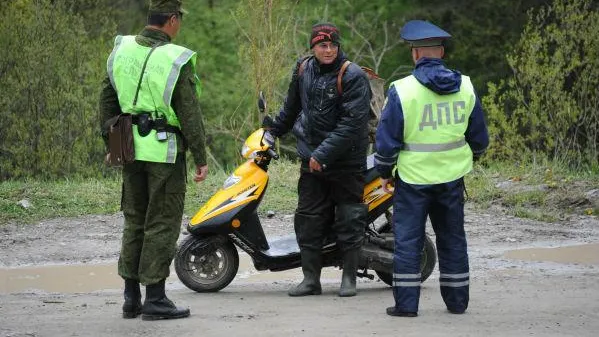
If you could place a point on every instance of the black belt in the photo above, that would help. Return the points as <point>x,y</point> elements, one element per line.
<point>167,128</point>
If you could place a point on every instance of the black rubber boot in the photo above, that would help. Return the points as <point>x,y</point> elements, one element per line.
<point>158,306</point>
<point>132,294</point>
<point>311,266</point>
<point>350,222</point>
<point>350,268</point>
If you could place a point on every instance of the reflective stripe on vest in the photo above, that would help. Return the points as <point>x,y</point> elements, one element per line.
<point>160,77</point>
<point>435,150</point>
<point>434,147</point>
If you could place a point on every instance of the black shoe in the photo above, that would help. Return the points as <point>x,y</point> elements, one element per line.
<point>158,306</point>
<point>456,312</point>
<point>163,309</point>
<point>392,311</point>
<point>132,294</point>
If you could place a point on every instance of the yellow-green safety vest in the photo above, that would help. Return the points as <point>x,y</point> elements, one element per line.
<point>162,70</point>
<point>435,149</point>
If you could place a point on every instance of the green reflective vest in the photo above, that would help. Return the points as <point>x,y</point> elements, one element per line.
<point>156,89</point>
<point>435,149</point>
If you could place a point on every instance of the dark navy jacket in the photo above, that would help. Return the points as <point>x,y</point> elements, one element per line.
<point>433,74</point>
<point>330,127</point>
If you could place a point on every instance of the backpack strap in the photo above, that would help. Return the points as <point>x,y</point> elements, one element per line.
<point>340,76</point>
<point>302,66</point>
<point>346,64</point>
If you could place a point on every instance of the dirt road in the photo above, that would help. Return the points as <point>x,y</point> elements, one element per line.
<point>57,278</point>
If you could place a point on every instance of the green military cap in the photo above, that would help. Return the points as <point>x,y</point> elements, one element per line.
<point>166,6</point>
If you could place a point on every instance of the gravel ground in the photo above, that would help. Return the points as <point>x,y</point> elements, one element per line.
<point>518,288</point>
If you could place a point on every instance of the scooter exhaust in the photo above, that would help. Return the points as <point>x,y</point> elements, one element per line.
<point>372,256</point>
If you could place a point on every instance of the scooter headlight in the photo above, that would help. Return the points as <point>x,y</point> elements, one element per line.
<point>230,181</point>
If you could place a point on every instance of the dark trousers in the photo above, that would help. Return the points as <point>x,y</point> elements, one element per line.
<point>444,204</point>
<point>152,203</point>
<point>319,194</point>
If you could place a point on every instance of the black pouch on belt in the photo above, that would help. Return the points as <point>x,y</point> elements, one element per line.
<point>144,124</point>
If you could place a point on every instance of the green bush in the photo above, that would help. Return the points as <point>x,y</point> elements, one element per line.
<point>53,58</point>
<point>50,73</point>
<point>550,107</point>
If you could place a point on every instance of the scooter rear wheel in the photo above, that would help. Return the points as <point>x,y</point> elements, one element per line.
<point>206,270</point>
<point>427,263</point>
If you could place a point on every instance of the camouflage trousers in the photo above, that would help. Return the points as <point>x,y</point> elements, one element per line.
<point>152,202</point>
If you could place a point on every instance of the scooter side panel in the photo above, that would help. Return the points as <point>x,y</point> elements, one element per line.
<point>374,195</point>
<point>219,224</point>
<point>251,185</point>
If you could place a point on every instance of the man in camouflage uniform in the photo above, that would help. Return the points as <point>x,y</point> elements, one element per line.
<point>153,192</point>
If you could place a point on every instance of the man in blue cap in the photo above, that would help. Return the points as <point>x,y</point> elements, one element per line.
<point>432,128</point>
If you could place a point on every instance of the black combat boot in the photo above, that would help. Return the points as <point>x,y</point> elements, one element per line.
<point>158,306</point>
<point>311,266</point>
<point>132,294</point>
<point>350,268</point>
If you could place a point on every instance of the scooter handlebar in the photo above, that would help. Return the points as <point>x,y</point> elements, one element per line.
<point>273,153</point>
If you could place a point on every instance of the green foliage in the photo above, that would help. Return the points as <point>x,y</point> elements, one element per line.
<point>209,30</point>
<point>482,32</point>
<point>48,121</point>
<point>550,107</point>
<point>53,59</point>
<point>265,28</point>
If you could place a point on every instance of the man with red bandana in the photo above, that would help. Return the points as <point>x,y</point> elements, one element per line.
<point>331,128</point>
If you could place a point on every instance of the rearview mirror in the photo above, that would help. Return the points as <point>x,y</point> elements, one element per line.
<point>261,102</point>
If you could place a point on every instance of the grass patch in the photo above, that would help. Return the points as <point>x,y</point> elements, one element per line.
<point>534,214</point>
<point>72,198</point>
<point>64,198</point>
<point>545,192</point>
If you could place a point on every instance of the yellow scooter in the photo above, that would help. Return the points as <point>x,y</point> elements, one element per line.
<point>207,260</point>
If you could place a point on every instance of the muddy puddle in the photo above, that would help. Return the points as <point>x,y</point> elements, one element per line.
<point>98,277</point>
<point>60,278</point>
<point>581,254</point>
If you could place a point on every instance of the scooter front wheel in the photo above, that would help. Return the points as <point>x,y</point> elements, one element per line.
<point>206,264</point>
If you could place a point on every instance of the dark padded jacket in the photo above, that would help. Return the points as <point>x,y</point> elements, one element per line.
<point>331,128</point>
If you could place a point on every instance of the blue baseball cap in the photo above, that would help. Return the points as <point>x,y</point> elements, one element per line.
<point>419,33</point>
